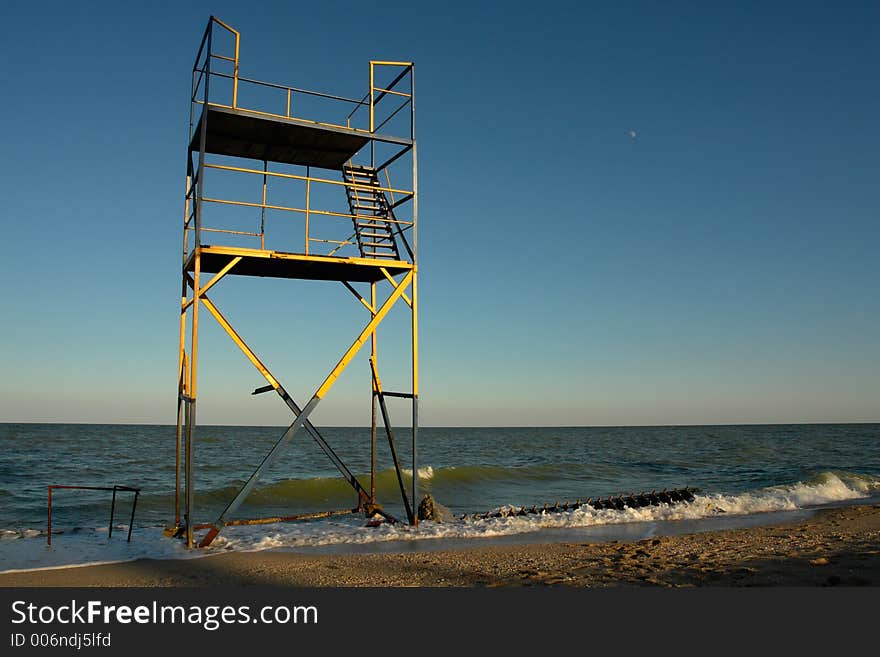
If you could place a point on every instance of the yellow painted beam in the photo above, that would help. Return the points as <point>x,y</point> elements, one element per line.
<point>357,295</point>
<point>415,334</point>
<point>366,333</point>
<point>394,283</point>
<point>236,338</point>
<point>257,253</point>
<point>220,274</point>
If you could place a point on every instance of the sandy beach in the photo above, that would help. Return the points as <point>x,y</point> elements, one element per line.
<point>833,547</point>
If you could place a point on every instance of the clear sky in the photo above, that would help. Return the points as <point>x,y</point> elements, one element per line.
<point>631,213</point>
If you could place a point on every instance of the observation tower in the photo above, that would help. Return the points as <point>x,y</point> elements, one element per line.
<point>351,163</point>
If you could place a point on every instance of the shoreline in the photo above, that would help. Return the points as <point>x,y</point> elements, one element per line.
<point>833,546</point>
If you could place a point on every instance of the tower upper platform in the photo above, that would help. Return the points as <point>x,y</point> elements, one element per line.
<point>298,183</point>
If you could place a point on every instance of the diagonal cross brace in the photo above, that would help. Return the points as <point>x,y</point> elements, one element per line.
<point>303,415</point>
<point>363,498</point>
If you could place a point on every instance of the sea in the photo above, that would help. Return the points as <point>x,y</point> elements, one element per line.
<point>745,475</point>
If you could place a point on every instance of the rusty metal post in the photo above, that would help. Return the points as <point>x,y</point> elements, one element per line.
<point>112,512</point>
<point>49,523</point>
<point>131,520</point>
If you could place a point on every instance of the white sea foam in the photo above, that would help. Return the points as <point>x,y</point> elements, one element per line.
<point>424,473</point>
<point>26,549</point>
<point>823,489</point>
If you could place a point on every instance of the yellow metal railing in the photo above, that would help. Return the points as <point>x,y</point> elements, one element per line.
<point>307,209</point>
<point>203,71</point>
<point>205,93</point>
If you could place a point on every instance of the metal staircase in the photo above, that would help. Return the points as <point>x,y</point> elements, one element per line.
<point>374,222</point>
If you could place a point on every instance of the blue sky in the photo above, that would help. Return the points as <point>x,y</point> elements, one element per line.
<point>631,213</point>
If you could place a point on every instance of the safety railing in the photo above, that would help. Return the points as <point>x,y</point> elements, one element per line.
<point>307,210</point>
<point>114,489</point>
<point>288,97</point>
<point>370,114</point>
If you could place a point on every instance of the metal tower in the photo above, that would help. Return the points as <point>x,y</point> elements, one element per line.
<point>326,146</point>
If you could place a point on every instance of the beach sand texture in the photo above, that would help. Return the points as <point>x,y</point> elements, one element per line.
<point>834,547</point>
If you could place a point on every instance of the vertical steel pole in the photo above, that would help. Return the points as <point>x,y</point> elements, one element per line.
<point>415,294</point>
<point>112,513</point>
<point>181,393</point>
<point>373,356</point>
<point>181,349</point>
<point>415,399</point>
<point>263,208</point>
<point>49,521</point>
<point>308,205</point>
<point>133,507</point>
<point>235,72</point>
<point>188,472</point>
<point>197,268</point>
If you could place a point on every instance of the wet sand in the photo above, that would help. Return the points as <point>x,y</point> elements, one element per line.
<point>833,547</point>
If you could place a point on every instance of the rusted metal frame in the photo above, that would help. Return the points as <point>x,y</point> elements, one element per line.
<point>303,414</point>
<point>386,420</point>
<point>216,279</point>
<point>369,306</point>
<point>113,509</point>
<point>114,489</point>
<point>276,385</point>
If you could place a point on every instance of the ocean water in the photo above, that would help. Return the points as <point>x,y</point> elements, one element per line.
<point>742,472</point>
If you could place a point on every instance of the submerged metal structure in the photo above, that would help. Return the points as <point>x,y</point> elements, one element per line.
<point>350,164</point>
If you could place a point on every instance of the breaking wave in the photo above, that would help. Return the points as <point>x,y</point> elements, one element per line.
<point>91,545</point>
